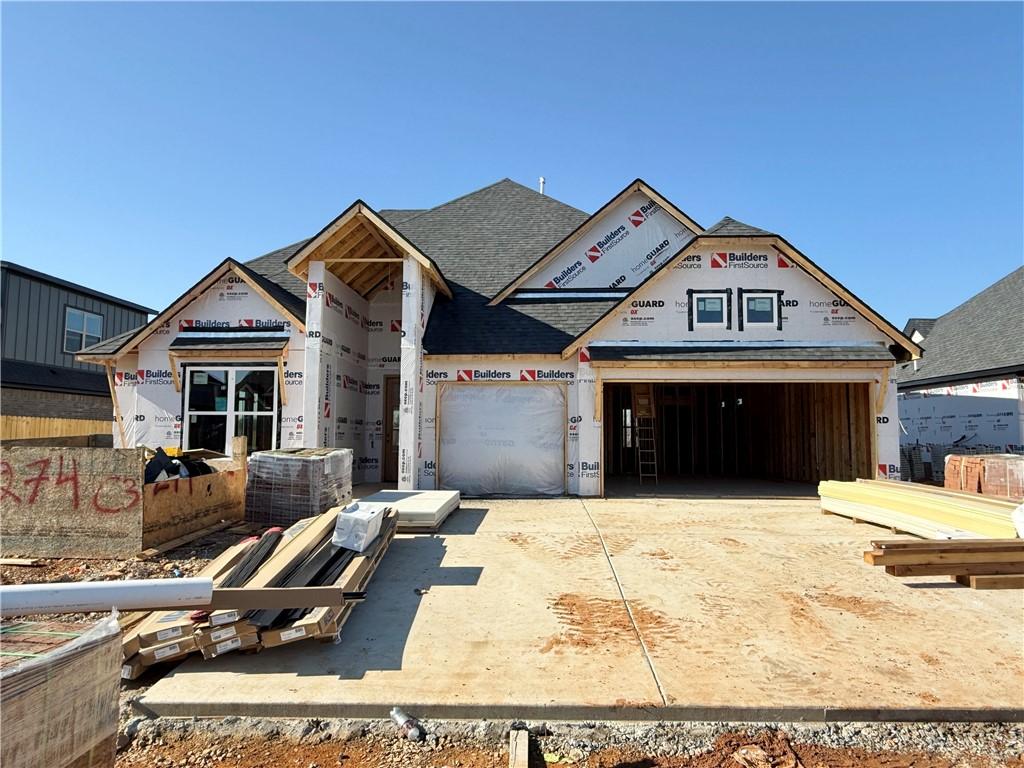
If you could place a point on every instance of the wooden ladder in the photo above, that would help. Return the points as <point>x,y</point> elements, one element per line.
<point>643,412</point>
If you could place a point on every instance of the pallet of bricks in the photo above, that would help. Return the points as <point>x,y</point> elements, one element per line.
<point>990,474</point>
<point>303,556</point>
<point>976,563</point>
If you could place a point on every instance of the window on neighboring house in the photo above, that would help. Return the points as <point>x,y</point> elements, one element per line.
<point>760,309</point>
<point>710,309</point>
<point>81,329</point>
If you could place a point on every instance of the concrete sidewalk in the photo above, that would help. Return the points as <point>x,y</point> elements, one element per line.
<point>733,609</point>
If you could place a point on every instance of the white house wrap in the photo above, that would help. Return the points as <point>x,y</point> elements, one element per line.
<point>498,344</point>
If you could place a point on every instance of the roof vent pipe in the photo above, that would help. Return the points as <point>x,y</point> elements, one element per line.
<point>542,185</point>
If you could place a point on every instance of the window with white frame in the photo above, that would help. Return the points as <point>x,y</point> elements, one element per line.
<point>81,329</point>
<point>710,309</point>
<point>760,308</point>
<point>222,403</point>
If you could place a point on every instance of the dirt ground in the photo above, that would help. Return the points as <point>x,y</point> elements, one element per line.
<point>765,749</point>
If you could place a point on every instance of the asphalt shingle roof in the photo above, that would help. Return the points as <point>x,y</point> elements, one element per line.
<point>114,343</point>
<point>922,324</point>
<point>729,227</point>
<point>21,374</point>
<point>273,268</point>
<point>479,241</point>
<point>985,333</point>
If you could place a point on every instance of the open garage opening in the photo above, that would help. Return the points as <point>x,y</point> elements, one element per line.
<point>723,439</point>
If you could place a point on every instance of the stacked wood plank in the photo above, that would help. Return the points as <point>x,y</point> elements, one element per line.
<point>249,581</point>
<point>977,563</point>
<point>921,510</point>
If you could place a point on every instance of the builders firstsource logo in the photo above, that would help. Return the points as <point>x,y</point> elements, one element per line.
<point>742,260</point>
<point>606,243</point>
<point>487,375</point>
<point>643,213</point>
<point>351,314</point>
<point>158,377</point>
<point>292,378</point>
<point>537,374</point>
<point>690,261</point>
<point>125,379</point>
<point>194,325</point>
<point>349,382</point>
<point>333,303</point>
<point>263,324</point>
<point>566,276</point>
<point>313,290</point>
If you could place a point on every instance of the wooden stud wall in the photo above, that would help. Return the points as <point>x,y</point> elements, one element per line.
<point>803,432</point>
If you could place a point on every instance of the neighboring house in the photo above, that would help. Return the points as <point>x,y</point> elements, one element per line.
<point>505,342</point>
<point>46,322</point>
<point>966,392</point>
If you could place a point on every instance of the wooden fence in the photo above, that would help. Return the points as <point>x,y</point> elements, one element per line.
<point>22,427</point>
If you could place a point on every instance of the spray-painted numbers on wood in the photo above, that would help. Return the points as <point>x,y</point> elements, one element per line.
<point>56,480</point>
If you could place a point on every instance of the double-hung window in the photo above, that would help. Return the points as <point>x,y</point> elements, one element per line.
<point>222,403</point>
<point>81,329</point>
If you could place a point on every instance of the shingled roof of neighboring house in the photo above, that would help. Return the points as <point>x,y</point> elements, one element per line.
<point>21,374</point>
<point>984,336</point>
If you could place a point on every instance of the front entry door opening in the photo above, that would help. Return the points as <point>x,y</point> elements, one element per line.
<point>389,466</point>
<point>802,432</point>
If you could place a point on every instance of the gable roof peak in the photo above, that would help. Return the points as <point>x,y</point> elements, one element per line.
<point>729,226</point>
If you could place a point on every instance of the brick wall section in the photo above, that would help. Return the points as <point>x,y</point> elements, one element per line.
<point>55,405</point>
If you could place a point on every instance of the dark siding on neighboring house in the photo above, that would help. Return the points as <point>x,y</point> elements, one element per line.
<point>33,319</point>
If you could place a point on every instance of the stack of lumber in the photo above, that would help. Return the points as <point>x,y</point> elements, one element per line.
<point>991,474</point>
<point>921,510</point>
<point>298,563</point>
<point>977,563</point>
<point>59,694</point>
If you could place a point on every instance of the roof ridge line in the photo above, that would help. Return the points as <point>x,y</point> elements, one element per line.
<point>986,289</point>
<point>457,199</point>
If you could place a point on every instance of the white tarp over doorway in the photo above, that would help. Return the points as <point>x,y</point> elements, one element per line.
<point>502,439</point>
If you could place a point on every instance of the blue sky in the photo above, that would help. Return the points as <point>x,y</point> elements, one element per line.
<point>143,143</point>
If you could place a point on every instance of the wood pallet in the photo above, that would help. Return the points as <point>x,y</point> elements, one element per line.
<point>976,563</point>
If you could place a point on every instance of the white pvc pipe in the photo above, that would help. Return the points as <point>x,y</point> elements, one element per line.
<point>82,596</point>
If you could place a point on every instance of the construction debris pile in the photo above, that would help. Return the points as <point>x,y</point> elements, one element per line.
<point>59,693</point>
<point>161,466</point>
<point>976,563</point>
<point>288,485</point>
<point>298,562</point>
<point>921,510</point>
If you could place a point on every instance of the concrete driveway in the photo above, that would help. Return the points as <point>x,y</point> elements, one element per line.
<point>648,608</point>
